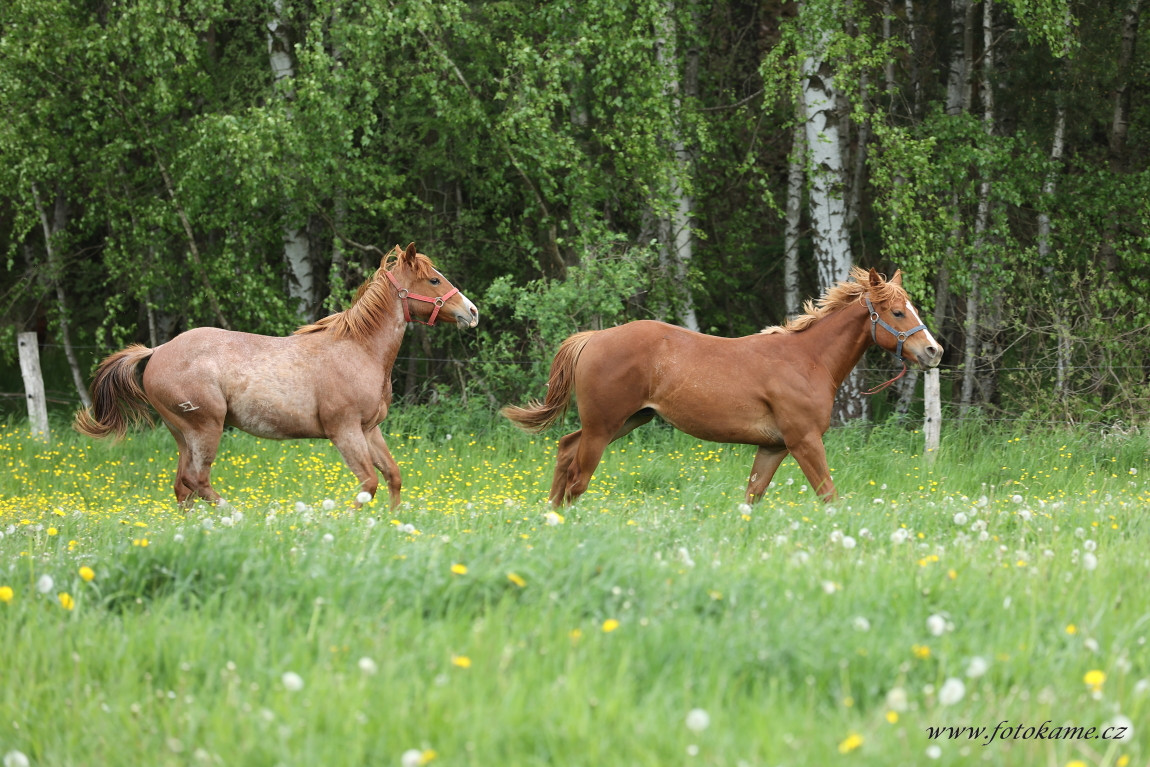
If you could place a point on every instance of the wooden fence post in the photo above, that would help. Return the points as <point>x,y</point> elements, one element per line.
<point>932,420</point>
<point>33,385</point>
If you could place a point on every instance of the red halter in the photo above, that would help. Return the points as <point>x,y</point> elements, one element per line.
<point>405,295</point>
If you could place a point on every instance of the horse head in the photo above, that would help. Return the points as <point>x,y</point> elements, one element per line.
<point>895,324</point>
<point>424,291</point>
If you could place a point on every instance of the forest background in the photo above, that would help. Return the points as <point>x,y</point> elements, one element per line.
<point>167,164</point>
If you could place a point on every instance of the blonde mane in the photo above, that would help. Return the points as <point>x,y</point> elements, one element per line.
<point>372,304</point>
<point>839,297</point>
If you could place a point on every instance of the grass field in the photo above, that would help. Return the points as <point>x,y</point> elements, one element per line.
<point>659,622</point>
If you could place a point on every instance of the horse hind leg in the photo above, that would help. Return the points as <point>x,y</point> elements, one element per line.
<point>767,461</point>
<point>197,446</point>
<point>579,454</point>
<point>564,455</point>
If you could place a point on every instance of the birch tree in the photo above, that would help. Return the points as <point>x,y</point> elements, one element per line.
<point>825,124</point>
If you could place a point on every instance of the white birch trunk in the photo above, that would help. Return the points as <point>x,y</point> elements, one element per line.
<point>676,239</point>
<point>827,201</point>
<point>792,299</point>
<point>29,350</point>
<point>297,246</point>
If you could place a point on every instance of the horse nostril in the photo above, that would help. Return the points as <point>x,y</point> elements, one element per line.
<point>933,351</point>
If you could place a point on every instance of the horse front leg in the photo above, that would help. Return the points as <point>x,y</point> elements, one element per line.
<point>812,458</point>
<point>383,461</point>
<point>352,445</point>
<point>767,461</point>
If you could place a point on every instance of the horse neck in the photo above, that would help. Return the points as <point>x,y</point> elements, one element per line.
<point>839,340</point>
<point>384,342</point>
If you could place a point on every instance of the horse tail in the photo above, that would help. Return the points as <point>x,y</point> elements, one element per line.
<point>537,416</point>
<point>118,398</point>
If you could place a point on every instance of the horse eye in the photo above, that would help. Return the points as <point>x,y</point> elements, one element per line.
<point>898,314</point>
<point>434,280</point>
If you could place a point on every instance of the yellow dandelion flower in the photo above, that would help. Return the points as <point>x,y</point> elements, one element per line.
<point>610,625</point>
<point>576,635</point>
<point>850,743</point>
<point>53,531</point>
<point>921,651</point>
<point>1123,760</point>
<point>459,569</point>
<point>87,573</point>
<point>6,594</point>
<point>1071,629</point>
<point>1094,679</point>
<point>892,716</point>
<point>1076,763</point>
<point>427,755</point>
<point>66,600</point>
<point>462,661</point>
<point>516,579</point>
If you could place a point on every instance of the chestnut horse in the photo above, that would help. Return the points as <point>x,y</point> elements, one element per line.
<point>330,379</point>
<point>774,389</point>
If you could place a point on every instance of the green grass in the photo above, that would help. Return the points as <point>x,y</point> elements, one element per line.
<point>496,635</point>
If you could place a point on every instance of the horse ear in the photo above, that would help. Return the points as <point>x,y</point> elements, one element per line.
<point>875,278</point>
<point>897,278</point>
<point>409,254</point>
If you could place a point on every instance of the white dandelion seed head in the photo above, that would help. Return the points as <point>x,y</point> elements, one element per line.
<point>801,557</point>
<point>977,666</point>
<point>328,537</point>
<point>300,507</point>
<point>830,587</point>
<point>552,518</point>
<point>447,437</point>
<point>960,518</point>
<point>1016,498</point>
<point>367,666</point>
<point>836,536</point>
<point>363,497</point>
<point>860,623</point>
<point>952,691</point>
<point>936,625</point>
<point>1141,687</point>
<point>16,759</point>
<point>744,508</point>
<point>227,521</point>
<point>44,584</point>
<point>983,502</point>
<point>1089,561</point>
<point>698,720</point>
<point>407,528</point>
<point>899,536</point>
<point>780,540</point>
<point>933,751</point>
<point>848,542</point>
<point>1091,644</point>
<point>1078,531</point>
<point>328,504</point>
<point>896,699</point>
<point>865,534</point>
<point>1026,515</point>
<point>1089,544</point>
<point>178,537</point>
<point>412,757</point>
<point>292,681</point>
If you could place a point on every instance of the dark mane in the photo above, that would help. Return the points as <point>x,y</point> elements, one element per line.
<point>839,297</point>
<point>372,304</point>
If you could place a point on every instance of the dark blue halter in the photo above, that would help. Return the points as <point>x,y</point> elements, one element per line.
<point>900,335</point>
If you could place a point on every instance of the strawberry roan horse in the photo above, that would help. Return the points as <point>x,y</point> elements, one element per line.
<point>774,389</point>
<point>330,379</point>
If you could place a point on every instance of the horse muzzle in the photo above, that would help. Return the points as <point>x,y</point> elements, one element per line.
<point>467,316</point>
